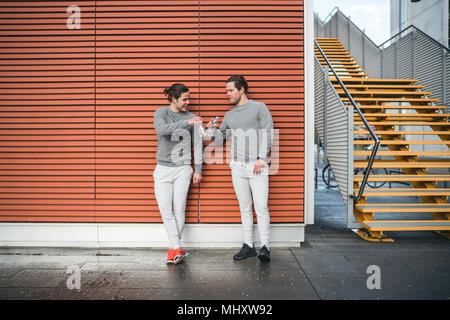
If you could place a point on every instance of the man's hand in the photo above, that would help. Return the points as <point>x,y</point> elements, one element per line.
<point>197,178</point>
<point>259,166</point>
<point>195,121</point>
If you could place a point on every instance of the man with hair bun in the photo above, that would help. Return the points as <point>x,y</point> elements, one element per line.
<point>172,176</point>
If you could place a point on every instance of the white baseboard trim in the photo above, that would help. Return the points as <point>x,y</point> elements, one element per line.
<point>136,235</point>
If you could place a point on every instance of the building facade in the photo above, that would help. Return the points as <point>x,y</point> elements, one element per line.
<point>80,83</point>
<point>430,16</point>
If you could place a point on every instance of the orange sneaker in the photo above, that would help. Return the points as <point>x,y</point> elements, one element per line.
<point>170,256</point>
<point>179,255</point>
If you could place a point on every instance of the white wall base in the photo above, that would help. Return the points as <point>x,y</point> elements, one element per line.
<point>102,235</point>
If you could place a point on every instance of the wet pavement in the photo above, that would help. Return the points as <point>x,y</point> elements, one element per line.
<point>333,263</point>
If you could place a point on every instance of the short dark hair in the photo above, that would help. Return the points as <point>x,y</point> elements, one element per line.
<point>239,82</point>
<point>175,91</point>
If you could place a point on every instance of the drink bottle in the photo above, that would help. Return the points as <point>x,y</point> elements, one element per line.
<point>210,130</point>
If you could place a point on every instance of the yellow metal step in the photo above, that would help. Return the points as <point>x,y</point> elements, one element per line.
<point>371,118</point>
<point>384,92</point>
<point>403,207</point>
<point>405,115</point>
<point>405,123</point>
<point>382,86</point>
<point>350,72</point>
<point>395,133</point>
<point>377,81</point>
<point>404,192</point>
<point>393,99</point>
<point>401,107</point>
<point>347,67</point>
<point>403,164</point>
<point>403,153</point>
<point>400,142</point>
<point>343,76</point>
<point>342,63</point>
<point>404,177</point>
<point>407,225</point>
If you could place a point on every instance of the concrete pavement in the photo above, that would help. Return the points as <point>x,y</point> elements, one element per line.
<point>333,263</point>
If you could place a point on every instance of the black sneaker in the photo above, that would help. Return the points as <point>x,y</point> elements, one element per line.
<point>246,252</point>
<point>264,254</point>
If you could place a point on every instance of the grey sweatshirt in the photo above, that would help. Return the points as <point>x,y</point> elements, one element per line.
<point>175,136</point>
<point>248,145</point>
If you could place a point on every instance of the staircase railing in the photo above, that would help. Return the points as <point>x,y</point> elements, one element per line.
<point>412,54</point>
<point>366,124</point>
<point>362,48</point>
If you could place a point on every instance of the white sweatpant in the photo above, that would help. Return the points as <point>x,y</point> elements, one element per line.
<point>171,188</point>
<point>247,186</point>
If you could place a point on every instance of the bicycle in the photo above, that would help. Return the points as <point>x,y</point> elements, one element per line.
<point>330,181</point>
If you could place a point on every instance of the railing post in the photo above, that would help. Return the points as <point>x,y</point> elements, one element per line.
<point>350,138</point>
<point>325,112</point>
<point>444,76</point>
<point>414,54</point>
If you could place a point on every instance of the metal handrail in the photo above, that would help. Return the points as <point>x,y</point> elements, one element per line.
<point>350,21</point>
<point>374,136</point>
<point>330,14</point>
<point>413,26</point>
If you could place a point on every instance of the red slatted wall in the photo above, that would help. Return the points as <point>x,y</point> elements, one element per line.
<point>47,113</point>
<point>77,141</point>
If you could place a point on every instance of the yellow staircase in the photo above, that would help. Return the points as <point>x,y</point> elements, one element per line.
<point>379,99</point>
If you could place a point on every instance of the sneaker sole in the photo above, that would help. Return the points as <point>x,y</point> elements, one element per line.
<point>253,255</point>
<point>179,258</point>
<point>263,258</point>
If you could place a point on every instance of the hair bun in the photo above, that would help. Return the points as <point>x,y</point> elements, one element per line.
<point>175,91</point>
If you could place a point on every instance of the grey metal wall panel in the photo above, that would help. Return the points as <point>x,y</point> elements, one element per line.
<point>372,60</point>
<point>389,62</point>
<point>337,140</point>
<point>429,65</point>
<point>405,57</point>
<point>356,45</point>
<point>363,50</point>
<point>334,132</point>
<point>343,29</point>
<point>319,28</point>
<point>318,100</point>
